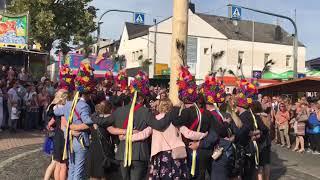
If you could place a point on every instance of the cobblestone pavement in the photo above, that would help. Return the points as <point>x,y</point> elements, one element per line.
<point>21,138</point>
<point>286,165</point>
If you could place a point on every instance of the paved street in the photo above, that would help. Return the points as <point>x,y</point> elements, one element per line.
<point>26,161</point>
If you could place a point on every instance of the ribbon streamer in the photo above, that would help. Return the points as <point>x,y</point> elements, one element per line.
<point>68,137</point>
<point>256,157</point>
<point>194,152</point>
<point>128,150</point>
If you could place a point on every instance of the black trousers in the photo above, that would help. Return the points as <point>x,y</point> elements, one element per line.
<point>204,161</point>
<point>220,168</point>
<point>249,168</point>
<point>314,142</point>
<point>137,171</point>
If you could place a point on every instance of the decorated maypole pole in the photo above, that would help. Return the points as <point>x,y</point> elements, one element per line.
<point>178,45</point>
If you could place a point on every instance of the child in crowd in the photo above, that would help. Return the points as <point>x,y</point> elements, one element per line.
<point>15,115</point>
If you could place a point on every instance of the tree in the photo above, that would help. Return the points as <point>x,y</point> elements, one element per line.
<point>214,58</point>
<point>120,59</point>
<point>222,73</point>
<point>68,21</point>
<point>267,66</point>
<point>145,63</point>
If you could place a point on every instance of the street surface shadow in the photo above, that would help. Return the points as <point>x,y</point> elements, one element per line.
<point>278,168</point>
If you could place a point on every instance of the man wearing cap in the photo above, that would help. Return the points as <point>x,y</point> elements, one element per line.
<point>195,119</point>
<point>252,128</point>
<point>81,122</point>
<point>142,118</point>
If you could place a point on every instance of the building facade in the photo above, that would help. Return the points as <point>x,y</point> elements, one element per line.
<point>209,34</point>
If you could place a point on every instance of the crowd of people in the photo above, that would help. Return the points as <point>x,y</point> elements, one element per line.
<point>294,121</point>
<point>23,101</point>
<point>137,131</point>
<point>102,129</point>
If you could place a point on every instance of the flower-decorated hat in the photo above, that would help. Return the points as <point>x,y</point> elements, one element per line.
<point>84,81</point>
<point>121,80</point>
<point>66,78</point>
<point>109,78</point>
<point>213,91</point>
<point>246,91</point>
<point>140,83</point>
<point>187,86</point>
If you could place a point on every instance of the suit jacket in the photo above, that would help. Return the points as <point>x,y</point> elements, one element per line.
<point>208,124</point>
<point>83,110</point>
<point>142,118</point>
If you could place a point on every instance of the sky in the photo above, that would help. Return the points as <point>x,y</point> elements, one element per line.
<point>307,12</point>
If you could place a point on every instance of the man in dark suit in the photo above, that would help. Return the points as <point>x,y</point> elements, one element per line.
<point>141,149</point>
<point>142,118</point>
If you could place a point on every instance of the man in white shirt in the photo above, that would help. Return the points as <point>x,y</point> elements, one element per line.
<point>15,115</point>
<point>12,98</point>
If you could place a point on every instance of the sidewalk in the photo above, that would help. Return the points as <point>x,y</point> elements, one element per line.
<point>19,139</point>
<point>285,161</point>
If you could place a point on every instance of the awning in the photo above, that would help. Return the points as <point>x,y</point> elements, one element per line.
<point>134,71</point>
<point>308,84</point>
<point>271,75</point>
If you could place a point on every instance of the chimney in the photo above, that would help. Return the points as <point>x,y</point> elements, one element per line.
<point>278,35</point>
<point>192,7</point>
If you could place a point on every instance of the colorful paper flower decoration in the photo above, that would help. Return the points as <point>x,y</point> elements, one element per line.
<point>85,82</point>
<point>66,78</point>
<point>187,86</point>
<point>140,83</point>
<point>213,91</point>
<point>246,91</point>
<point>109,78</point>
<point>121,80</point>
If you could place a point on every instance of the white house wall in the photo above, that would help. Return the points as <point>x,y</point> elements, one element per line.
<point>277,53</point>
<point>127,47</point>
<point>208,36</point>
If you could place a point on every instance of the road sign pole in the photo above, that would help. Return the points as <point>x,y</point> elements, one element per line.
<point>295,44</point>
<point>99,22</point>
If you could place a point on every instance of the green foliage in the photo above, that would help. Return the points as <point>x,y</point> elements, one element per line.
<point>69,21</point>
<point>121,59</point>
<point>267,66</point>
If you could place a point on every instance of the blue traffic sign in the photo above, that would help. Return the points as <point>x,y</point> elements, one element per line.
<point>235,13</point>
<point>139,18</point>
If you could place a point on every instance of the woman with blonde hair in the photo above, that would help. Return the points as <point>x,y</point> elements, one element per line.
<point>57,125</point>
<point>300,125</point>
<point>168,151</point>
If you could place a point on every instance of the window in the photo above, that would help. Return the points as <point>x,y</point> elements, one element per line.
<point>141,53</point>
<point>240,57</point>
<point>266,58</point>
<point>205,51</point>
<point>288,60</point>
<point>133,56</point>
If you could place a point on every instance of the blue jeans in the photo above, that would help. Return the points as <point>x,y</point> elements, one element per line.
<point>77,163</point>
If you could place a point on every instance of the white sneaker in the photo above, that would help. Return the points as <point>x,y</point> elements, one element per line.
<point>308,150</point>
<point>316,152</point>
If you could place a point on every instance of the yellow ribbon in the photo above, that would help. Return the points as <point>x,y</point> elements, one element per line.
<point>194,152</point>
<point>70,118</point>
<point>218,110</point>
<point>256,157</point>
<point>128,151</point>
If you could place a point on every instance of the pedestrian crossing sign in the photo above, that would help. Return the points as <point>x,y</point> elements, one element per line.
<point>235,13</point>
<point>139,18</point>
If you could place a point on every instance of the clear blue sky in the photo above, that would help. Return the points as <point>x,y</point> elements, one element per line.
<point>308,12</point>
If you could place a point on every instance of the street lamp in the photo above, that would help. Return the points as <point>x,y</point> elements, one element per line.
<point>295,42</point>
<point>100,22</point>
